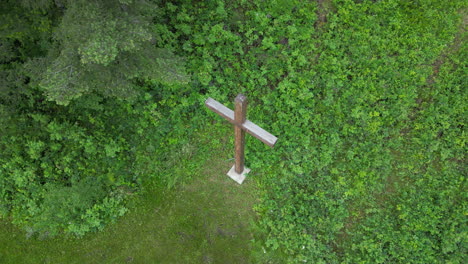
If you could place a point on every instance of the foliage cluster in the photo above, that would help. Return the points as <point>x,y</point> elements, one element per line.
<point>369,165</point>
<point>367,98</point>
<point>80,106</point>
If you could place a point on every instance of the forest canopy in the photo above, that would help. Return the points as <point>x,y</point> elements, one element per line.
<point>71,71</point>
<point>98,99</point>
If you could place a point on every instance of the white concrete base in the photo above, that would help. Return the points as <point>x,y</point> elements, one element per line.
<point>239,178</point>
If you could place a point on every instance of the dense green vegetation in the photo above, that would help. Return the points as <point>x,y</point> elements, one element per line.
<point>206,220</point>
<point>99,100</point>
<point>79,125</point>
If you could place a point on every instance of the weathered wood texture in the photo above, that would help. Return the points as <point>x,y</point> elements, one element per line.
<point>239,118</point>
<point>259,133</point>
<point>248,125</point>
<point>220,109</point>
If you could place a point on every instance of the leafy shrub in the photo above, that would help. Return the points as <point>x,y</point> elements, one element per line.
<point>350,179</point>
<point>368,107</point>
<point>70,168</point>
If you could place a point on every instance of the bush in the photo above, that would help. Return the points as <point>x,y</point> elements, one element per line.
<point>357,175</point>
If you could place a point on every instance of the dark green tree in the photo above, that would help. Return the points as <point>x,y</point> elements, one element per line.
<point>102,47</point>
<point>68,142</point>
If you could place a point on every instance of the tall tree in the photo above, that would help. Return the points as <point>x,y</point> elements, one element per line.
<point>67,148</point>
<point>102,47</point>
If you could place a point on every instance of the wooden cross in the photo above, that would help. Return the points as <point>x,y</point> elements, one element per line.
<point>241,124</point>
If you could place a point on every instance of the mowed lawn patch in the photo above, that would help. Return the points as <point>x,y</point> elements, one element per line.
<point>206,220</point>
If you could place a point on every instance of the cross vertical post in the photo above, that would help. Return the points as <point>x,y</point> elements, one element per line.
<point>241,125</point>
<point>239,119</point>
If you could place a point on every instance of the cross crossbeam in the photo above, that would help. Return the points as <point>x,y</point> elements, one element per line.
<point>241,125</point>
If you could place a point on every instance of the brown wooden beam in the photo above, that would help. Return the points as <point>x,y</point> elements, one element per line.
<point>248,125</point>
<point>239,119</point>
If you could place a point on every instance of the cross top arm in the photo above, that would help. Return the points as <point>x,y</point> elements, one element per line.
<point>247,125</point>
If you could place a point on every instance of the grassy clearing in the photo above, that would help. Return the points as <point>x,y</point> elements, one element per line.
<point>208,219</point>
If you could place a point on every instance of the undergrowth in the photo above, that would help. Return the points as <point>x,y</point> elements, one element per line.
<point>366,97</point>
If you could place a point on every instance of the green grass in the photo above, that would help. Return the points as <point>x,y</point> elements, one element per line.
<point>207,219</point>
